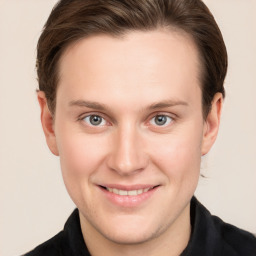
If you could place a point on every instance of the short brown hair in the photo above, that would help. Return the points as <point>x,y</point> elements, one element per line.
<point>71,20</point>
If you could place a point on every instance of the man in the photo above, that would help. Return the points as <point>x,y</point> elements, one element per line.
<point>131,94</point>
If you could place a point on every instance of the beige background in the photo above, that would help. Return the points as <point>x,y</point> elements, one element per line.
<point>33,202</point>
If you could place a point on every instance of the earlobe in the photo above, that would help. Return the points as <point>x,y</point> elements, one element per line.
<point>212,123</point>
<point>47,123</point>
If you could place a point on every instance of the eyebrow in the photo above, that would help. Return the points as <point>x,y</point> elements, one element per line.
<point>88,104</point>
<point>103,107</point>
<point>167,104</point>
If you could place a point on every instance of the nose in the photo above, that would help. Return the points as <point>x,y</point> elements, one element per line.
<point>128,154</point>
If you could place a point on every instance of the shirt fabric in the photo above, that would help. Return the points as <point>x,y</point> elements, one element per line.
<point>210,236</point>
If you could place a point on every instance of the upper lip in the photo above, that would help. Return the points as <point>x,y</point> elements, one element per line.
<point>128,187</point>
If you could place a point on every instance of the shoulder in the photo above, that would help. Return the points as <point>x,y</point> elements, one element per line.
<point>234,238</point>
<point>66,243</point>
<point>212,236</point>
<point>51,247</point>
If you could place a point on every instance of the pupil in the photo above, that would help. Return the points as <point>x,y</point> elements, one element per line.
<point>161,120</point>
<point>95,120</point>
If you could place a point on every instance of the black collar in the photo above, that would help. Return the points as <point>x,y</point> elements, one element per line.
<point>210,236</point>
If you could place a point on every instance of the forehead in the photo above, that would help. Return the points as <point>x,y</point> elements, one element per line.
<point>145,62</point>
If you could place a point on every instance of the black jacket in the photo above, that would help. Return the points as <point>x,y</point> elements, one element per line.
<point>210,237</point>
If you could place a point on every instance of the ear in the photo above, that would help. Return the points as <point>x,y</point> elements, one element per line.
<point>47,123</point>
<point>212,123</point>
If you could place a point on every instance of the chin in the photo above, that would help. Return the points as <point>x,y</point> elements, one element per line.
<point>130,238</point>
<point>131,231</point>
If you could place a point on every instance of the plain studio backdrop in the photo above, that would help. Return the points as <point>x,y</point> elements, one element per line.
<point>34,203</point>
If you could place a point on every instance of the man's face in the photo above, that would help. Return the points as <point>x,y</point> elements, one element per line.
<point>129,132</point>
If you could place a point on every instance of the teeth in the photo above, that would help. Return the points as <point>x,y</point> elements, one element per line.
<point>129,193</point>
<point>132,193</point>
<point>140,191</point>
<point>115,191</point>
<point>123,193</point>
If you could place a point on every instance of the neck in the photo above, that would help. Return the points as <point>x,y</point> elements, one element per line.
<point>171,242</point>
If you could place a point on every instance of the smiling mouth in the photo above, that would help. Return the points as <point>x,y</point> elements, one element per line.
<point>121,192</point>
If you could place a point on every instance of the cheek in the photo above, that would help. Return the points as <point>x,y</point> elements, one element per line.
<point>80,155</point>
<point>80,158</point>
<point>179,156</point>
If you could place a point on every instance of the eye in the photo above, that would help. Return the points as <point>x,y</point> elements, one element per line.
<point>161,120</point>
<point>95,120</point>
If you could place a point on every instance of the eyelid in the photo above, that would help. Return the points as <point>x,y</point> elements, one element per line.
<point>103,116</point>
<point>162,113</point>
<point>155,114</point>
<point>109,121</point>
<point>103,122</point>
<point>168,120</point>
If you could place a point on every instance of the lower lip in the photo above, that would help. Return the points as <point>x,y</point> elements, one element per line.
<point>129,201</point>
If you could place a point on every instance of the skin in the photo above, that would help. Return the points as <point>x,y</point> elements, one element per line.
<point>128,81</point>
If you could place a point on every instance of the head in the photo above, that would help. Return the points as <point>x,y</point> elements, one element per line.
<point>131,95</point>
<point>71,21</point>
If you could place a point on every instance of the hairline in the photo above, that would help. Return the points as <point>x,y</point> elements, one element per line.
<point>122,35</point>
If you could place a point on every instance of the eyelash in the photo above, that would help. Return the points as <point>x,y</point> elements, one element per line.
<point>90,117</point>
<point>166,117</point>
<point>83,117</point>
<point>106,123</point>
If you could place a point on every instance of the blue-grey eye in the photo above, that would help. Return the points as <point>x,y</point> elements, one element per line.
<point>95,120</point>
<point>161,120</point>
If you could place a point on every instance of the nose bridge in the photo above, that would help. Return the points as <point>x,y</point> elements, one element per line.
<point>127,155</point>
